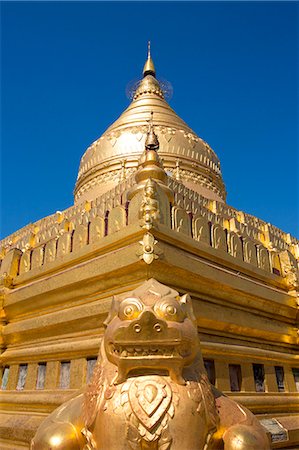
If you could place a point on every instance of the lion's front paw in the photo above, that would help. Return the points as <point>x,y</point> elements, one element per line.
<point>56,436</point>
<point>245,437</point>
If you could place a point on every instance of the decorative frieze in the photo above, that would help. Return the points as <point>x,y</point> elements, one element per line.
<point>241,235</point>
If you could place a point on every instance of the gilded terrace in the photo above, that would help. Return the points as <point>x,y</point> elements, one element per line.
<point>213,223</point>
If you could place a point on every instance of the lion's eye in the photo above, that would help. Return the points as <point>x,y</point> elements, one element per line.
<point>130,309</point>
<point>169,310</point>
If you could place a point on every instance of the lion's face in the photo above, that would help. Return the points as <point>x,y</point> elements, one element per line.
<point>152,328</point>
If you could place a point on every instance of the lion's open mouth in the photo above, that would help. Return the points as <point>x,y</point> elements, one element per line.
<point>125,351</point>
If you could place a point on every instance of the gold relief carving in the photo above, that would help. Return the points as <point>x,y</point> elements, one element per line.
<point>294,249</point>
<point>270,237</point>
<point>30,241</point>
<point>10,267</point>
<point>149,400</point>
<point>148,404</point>
<point>201,229</point>
<point>75,222</point>
<point>263,258</point>
<point>123,170</point>
<point>3,252</point>
<point>150,386</point>
<point>250,252</point>
<point>201,393</point>
<point>275,262</point>
<point>85,219</point>
<point>212,205</point>
<point>112,175</point>
<point>238,226</point>
<point>93,393</point>
<point>80,237</point>
<point>118,200</point>
<point>147,252</point>
<point>59,216</point>
<point>64,244</point>
<point>65,225</point>
<point>181,221</point>
<point>37,257</point>
<point>101,209</point>
<point>90,442</point>
<point>110,204</point>
<point>187,205</point>
<point>254,228</point>
<point>180,188</point>
<point>289,269</point>
<point>235,245</point>
<point>139,135</point>
<point>50,251</point>
<point>112,139</point>
<point>116,219</point>
<point>211,217</point>
<point>224,223</point>
<point>6,280</point>
<point>47,228</point>
<point>218,237</point>
<point>188,175</point>
<point>149,208</point>
<point>52,232</point>
<point>96,229</point>
<point>25,263</point>
<point>179,200</point>
<point>26,241</point>
<point>240,217</point>
<point>253,233</point>
<point>134,208</point>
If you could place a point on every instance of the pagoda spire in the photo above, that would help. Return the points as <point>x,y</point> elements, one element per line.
<point>149,68</point>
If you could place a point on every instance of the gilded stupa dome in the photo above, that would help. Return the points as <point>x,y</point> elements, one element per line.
<point>114,156</point>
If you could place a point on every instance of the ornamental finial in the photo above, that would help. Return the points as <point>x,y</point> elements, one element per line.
<point>151,142</point>
<point>149,68</point>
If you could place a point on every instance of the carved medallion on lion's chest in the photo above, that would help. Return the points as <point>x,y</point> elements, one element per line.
<point>145,413</point>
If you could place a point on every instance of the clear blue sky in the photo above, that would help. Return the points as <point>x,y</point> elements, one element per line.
<point>233,67</point>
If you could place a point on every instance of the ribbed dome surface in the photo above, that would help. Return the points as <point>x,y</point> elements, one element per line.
<point>114,156</point>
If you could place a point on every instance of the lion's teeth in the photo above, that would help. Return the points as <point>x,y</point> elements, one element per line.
<point>148,351</point>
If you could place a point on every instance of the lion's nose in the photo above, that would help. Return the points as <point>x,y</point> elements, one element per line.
<point>150,323</point>
<point>147,317</point>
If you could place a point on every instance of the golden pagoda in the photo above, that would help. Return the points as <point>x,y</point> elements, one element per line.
<point>150,203</point>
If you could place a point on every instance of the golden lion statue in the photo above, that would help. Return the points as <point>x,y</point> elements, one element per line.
<point>149,389</point>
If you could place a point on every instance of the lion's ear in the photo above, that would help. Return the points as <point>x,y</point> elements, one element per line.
<point>186,303</point>
<point>113,310</point>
